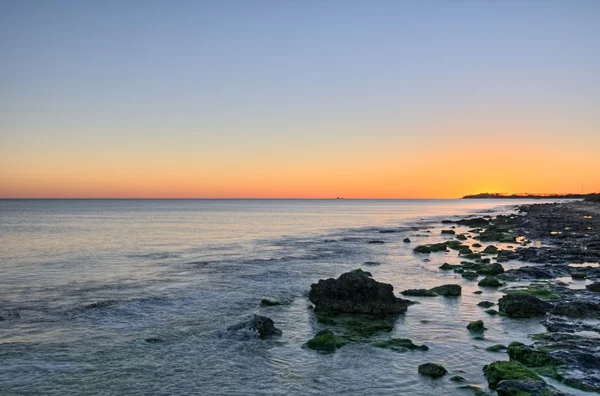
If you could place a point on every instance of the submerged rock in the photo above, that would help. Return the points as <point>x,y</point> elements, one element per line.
<point>523,306</point>
<point>447,266</point>
<point>376,241</point>
<point>499,371</point>
<point>485,304</point>
<point>419,292</point>
<point>496,348</point>
<point>269,302</point>
<point>326,341</point>
<point>470,275</point>
<point>476,326</point>
<point>400,345</point>
<point>578,308</point>
<point>526,388</point>
<point>595,287</point>
<point>447,290</point>
<point>356,292</point>
<point>260,324</point>
<point>491,312</point>
<point>432,370</point>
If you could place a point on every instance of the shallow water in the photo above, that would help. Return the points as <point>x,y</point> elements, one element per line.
<point>181,271</point>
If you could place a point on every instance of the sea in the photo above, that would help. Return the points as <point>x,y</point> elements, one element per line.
<point>134,297</point>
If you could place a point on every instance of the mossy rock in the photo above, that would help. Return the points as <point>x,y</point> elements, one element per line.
<point>465,251</point>
<point>491,312</point>
<point>485,260</point>
<point>470,275</point>
<point>490,249</point>
<point>419,293</point>
<point>447,290</point>
<point>432,370</point>
<point>475,390</point>
<point>431,248</point>
<point>491,269</point>
<point>490,281</point>
<point>455,245</point>
<point>472,256</point>
<point>400,345</point>
<point>458,378</point>
<point>476,245</point>
<point>447,266</point>
<point>476,326</point>
<point>459,270</point>
<point>461,237</point>
<point>448,232</point>
<point>540,292</point>
<point>496,348</point>
<point>326,341</point>
<point>485,304</point>
<point>499,371</point>
<point>529,356</point>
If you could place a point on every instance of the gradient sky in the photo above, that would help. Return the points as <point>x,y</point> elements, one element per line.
<point>132,98</point>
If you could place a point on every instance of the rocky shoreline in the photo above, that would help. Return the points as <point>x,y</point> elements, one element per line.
<point>554,242</point>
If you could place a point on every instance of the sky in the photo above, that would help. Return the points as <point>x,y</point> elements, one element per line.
<point>305,99</point>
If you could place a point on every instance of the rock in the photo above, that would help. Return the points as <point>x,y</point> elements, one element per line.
<point>474,222</point>
<point>378,242</point>
<point>475,390</point>
<point>526,388</point>
<point>447,290</point>
<point>419,292</point>
<point>523,306</point>
<point>9,315</point>
<point>458,378</point>
<point>490,249</point>
<point>448,232</point>
<point>499,371</point>
<point>372,263</point>
<point>539,291</point>
<point>326,341</point>
<point>260,324</point>
<point>579,275</point>
<point>491,269</point>
<point>269,302</point>
<point>595,287</point>
<point>431,248</point>
<point>491,312</point>
<point>477,292</point>
<point>406,240</point>
<point>485,304</point>
<point>461,237</point>
<point>153,340</point>
<point>447,266</point>
<point>400,345</point>
<point>356,292</point>
<point>529,356</point>
<point>432,370</point>
<point>476,326</point>
<point>490,281</point>
<point>476,245</point>
<point>496,348</point>
<point>578,308</point>
<point>470,275</point>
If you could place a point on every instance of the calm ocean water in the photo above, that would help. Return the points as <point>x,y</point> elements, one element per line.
<point>181,271</point>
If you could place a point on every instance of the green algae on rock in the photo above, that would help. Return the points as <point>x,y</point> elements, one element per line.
<point>496,348</point>
<point>447,290</point>
<point>490,281</point>
<point>326,341</point>
<point>447,266</point>
<point>485,304</point>
<point>400,345</point>
<point>470,275</point>
<point>500,370</point>
<point>476,326</point>
<point>491,312</point>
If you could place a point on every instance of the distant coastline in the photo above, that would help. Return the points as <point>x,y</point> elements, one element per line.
<point>529,196</point>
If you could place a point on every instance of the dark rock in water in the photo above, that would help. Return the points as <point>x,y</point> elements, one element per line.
<point>474,222</point>
<point>447,290</point>
<point>477,292</point>
<point>529,356</point>
<point>526,388</point>
<point>376,242</point>
<point>326,341</point>
<point>400,345</point>
<point>8,315</point>
<point>447,266</point>
<point>490,249</point>
<point>431,248</point>
<point>153,340</point>
<point>537,272</point>
<point>486,304</point>
<point>261,324</point>
<point>355,292</point>
<point>372,263</point>
<point>578,308</point>
<point>595,287</point>
<point>490,281</point>
<point>461,237</point>
<point>470,275</point>
<point>496,348</point>
<point>491,269</point>
<point>447,221</point>
<point>491,312</point>
<point>499,371</point>
<point>476,245</point>
<point>579,275</point>
<point>406,240</point>
<point>523,306</point>
<point>269,302</point>
<point>448,232</point>
<point>432,370</point>
<point>418,292</point>
<point>476,326</point>
<point>458,378</point>
<point>557,324</point>
<point>388,231</point>
<point>474,389</point>
<point>99,304</point>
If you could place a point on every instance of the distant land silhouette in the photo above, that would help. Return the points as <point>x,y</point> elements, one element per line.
<point>587,197</point>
